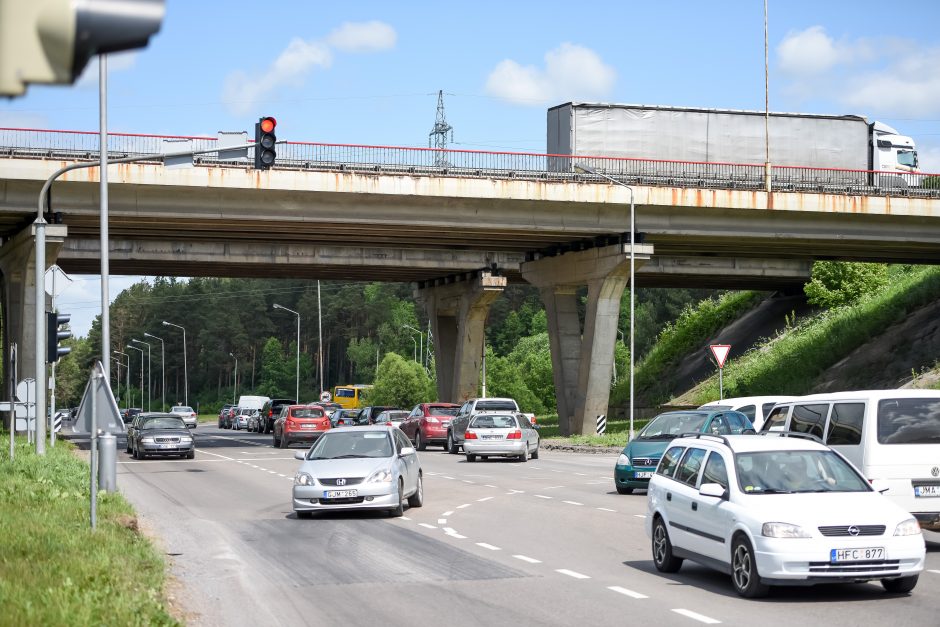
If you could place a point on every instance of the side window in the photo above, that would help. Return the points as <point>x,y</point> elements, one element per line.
<point>715,470</point>
<point>690,465</point>
<point>809,419</point>
<point>669,462</point>
<point>401,440</point>
<point>777,419</point>
<point>845,423</point>
<point>749,411</point>
<point>523,422</point>
<point>719,425</point>
<point>415,413</point>
<point>765,409</point>
<point>736,422</point>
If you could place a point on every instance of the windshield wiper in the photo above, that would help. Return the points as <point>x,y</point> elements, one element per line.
<point>345,457</point>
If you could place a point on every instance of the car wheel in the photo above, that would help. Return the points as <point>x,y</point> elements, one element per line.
<point>417,499</point>
<point>471,458</point>
<point>451,445</point>
<point>304,515</point>
<point>276,443</point>
<point>622,490</point>
<point>744,573</point>
<point>901,585</point>
<point>420,444</point>
<point>525,454</point>
<point>191,454</point>
<point>535,453</point>
<point>400,510</point>
<point>663,558</point>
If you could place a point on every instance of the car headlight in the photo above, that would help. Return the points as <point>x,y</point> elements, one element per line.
<point>623,460</point>
<point>186,440</point>
<point>783,530</point>
<point>302,478</point>
<point>147,440</point>
<point>909,527</point>
<point>382,475</point>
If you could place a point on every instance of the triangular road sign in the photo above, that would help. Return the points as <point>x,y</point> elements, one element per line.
<point>720,351</point>
<point>98,393</point>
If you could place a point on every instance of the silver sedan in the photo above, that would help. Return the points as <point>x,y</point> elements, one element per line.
<point>504,435</point>
<point>373,467</point>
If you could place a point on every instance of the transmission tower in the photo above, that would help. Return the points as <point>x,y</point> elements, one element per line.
<point>439,132</point>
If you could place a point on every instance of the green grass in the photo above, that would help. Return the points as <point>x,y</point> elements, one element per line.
<point>616,433</point>
<point>54,569</point>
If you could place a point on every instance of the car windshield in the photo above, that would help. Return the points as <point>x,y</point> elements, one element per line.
<point>179,409</point>
<point>776,472</point>
<point>163,422</point>
<point>493,421</point>
<point>351,444</point>
<point>668,426</point>
<point>909,421</point>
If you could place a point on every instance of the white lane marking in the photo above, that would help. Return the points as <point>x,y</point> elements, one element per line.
<point>426,526</point>
<point>448,513</point>
<point>446,477</point>
<point>554,487</point>
<point>516,492</point>
<point>273,472</point>
<point>442,521</point>
<point>542,496</point>
<point>205,452</point>
<point>485,498</point>
<point>467,481</point>
<point>580,474</point>
<point>530,560</point>
<point>553,470</point>
<point>403,518</point>
<point>934,571</point>
<point>695,616</point>
<point>488,546</point>
<point>604,509</point>
<point>464,505</point>
<point>487,485</point>
<point>280,475</point>
<point>254,466</point>
<point>629,593</point>
<point>571,573</point>
<point>453,534</point>
<point>639,515</point>
<point>572,503</point>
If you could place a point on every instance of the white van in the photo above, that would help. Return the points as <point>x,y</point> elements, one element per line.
<point>755,408</point>
<point>252,402</point>
<point>892,436</point>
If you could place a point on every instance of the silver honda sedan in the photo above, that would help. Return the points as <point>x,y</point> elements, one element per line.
<point>373,467</point>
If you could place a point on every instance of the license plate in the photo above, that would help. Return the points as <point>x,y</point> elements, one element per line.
<point>646,474</point>
<point>857,555</point>
<point>927,490</point>
<point>340,494</point>
<point>308,426</point>
<point>492,437</point>
<point>167,446</point>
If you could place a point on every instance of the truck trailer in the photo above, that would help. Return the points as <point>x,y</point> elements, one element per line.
<point>688,134</point>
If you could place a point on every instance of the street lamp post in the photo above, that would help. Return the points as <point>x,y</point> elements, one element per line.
<point>141,373</point>
<point>120,363</point>
<point>127,381</point>
<point>235,391</point>
<point>149,376</point>
<point>589,170</point>
<point>297,376</point>
<point>421,342</point>
<point>162,372</point>
<point>185,372</point>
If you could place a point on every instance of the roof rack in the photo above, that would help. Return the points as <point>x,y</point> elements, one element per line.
<point>695,435</point>
<point>792,434</point>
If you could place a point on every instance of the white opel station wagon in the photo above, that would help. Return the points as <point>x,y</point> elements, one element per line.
<point>777,509</point>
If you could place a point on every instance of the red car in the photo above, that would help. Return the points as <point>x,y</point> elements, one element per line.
<point>300,423</point>
<point>427,423</point>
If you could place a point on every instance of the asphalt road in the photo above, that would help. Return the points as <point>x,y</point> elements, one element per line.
<point>547,542</point>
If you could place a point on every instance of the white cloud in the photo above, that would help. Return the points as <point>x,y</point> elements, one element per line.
<point>242,90</point>
<point>571,72</point>
<point>22,119</point>
<point>363,37</point>
<point>117,62</point>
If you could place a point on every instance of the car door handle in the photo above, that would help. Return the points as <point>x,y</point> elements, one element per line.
<point>668,496</point>
<point>694,506</point>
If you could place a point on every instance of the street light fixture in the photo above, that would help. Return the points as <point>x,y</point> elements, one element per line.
<point>297,375</point>
<point>185,372</point>
<point>127,377</point>
<point>141,373</point>
<point>235,391</point>
<point>149,376</point>
<point>162,372</point>
<point>586,169</point>
<point>420,335</point>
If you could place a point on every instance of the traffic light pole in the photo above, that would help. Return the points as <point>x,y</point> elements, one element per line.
<point>40,275</point>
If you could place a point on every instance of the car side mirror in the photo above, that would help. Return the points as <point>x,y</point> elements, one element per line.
<point>406,450</point>
<point>712,489</point>
<point>301,455</point>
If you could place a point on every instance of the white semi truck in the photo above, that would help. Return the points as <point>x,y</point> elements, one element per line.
<point>728,136</point>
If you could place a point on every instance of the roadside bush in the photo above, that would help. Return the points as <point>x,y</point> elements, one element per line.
<point>836,283</point>
<point>400,383</point>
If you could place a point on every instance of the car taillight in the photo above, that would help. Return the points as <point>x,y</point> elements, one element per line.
<point>515,435</point>
<point>470,435</point>
<point>432,420</point>
<point>270,413</point>
<point>289,423</point>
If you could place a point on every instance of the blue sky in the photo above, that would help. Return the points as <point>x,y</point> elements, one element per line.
<point>368,72</point>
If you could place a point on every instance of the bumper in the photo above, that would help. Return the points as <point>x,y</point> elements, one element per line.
<point>793,561</point>
<point>190,423</point>
<point>157,449</point>
<point>368,496</point>
<point>302,436</point>
<point>625,477</point>
<point>433,433</point>
<point>502,447</point>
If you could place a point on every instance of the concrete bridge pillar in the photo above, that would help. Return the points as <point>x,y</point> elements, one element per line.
<point>458,311</point>
<point>582,362</point>
<point>18,285</point>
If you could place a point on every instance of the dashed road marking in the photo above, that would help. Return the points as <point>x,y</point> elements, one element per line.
<point>542,496</point>
<point>572,503</point>
<point>404,518</point>
<point>464,505</point>
<point>488,546</point>
<point>467,481</point>
<point>516,492</point>
<point>629,593</point>
<point>281,475</point>
<point>487,485</point>
<point>446,477</point>
<point>934,571</point>
<point>426,526</point>
<point>605,509</point>
<point>485,498</point>
<point>453,534</point>
<point>553,487</point>
<point>571,573</point>
<point>530,560</point>
<point>442,521</point>
<point>448,513</point>
<point>639,515</point>
<point>696,616</point>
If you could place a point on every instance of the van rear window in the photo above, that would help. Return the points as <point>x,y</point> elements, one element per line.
<point>496,406</point>
<point>909,421</point>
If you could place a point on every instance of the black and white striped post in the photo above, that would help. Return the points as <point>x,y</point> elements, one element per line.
<point>601,424</point>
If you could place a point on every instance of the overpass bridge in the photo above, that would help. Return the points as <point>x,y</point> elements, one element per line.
<point>460,225</point>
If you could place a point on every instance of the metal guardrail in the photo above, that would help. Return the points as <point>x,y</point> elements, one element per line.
<point>83,145</point>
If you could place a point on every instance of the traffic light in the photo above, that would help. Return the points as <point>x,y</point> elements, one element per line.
<point>265,143</point>
<point>54,336</point>
<point>51,41</point>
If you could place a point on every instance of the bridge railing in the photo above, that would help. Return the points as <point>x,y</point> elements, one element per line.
<point>83,145</point>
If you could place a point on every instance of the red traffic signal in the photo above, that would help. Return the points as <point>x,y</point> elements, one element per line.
<point>267,125</point>
<point>265,143</point>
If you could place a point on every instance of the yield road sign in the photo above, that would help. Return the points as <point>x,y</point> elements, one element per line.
<point>720,351</point>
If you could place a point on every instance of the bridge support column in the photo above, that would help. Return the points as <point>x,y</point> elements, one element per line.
<point>582,363</point>
<point>17,266</point>
<point>458,312</point>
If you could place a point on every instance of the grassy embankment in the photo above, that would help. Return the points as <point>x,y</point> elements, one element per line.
<point>56,570</point>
